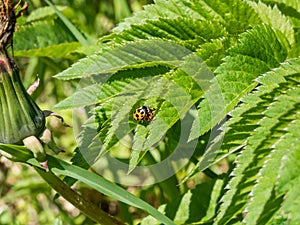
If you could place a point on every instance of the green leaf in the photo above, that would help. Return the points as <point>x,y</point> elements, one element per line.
<point>213,52</point>
<point>61,50</point>
<point>268,174</point>
<point>96,91</point>
<point>257,163</point>
<point>177,99</point>
<point>289,175</point>
<point>78,160</point>
<point>236,13</point>
<point>17,153</point>
<point>140,53</point>
<point>42,13</point>
<point>82,97</point>
<point>140,135</point>
<point>79,37</point>
<point>187,32</point>
<point>236,75</point>
<point>292,4</point>
<point>274,18</point>
<point>45,41</point>
<point>171,9</point>
<point>234,135</point>
<point>88,144</point>
<point>192,207</point>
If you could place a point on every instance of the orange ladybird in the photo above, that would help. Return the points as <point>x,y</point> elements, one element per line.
<point>144,113</point>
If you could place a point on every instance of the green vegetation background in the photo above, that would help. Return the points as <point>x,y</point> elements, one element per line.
<point>250,175</point>
<point>24,197</point>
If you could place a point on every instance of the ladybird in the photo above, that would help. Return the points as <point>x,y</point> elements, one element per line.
<point>144,113</point>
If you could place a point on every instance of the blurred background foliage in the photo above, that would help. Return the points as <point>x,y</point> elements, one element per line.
<point>24,197</point>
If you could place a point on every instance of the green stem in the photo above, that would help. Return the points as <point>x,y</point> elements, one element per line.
<point>86,207</point>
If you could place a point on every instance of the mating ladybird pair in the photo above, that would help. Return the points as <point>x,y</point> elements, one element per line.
<point>144,113</point>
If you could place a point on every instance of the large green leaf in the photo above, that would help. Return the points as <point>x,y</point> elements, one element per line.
<point>235,13</point>
<point>140,53</point>
<point>189,33</point>
<point>259,50</point>
<point>289,173</point>
<point>234,78</point>
<point>41,39</point>
<point>261,158</point>
<point>274,18</point>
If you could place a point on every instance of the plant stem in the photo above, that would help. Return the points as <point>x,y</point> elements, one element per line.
<point>86,207</point>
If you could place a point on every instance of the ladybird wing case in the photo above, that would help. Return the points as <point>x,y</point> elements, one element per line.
<point>139,114</point>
